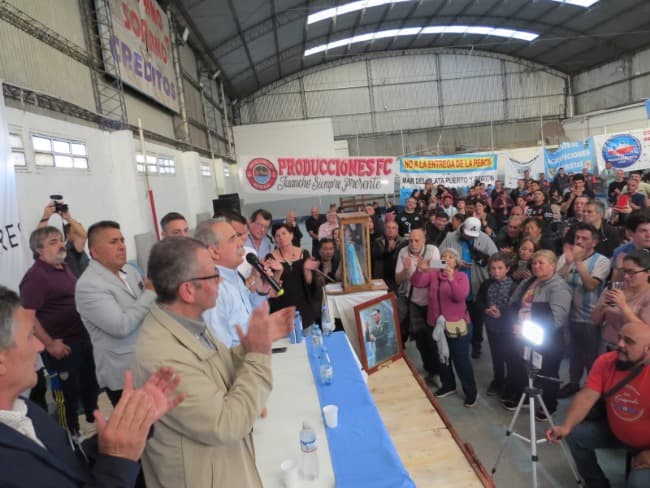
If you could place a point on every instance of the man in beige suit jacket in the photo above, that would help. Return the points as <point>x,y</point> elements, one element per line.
<point>206,441</point>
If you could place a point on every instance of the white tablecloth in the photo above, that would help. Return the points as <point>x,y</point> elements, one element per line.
<point>293,399</point>
<point>342,307</point>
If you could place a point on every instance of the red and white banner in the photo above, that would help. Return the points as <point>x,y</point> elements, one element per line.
<point>300,175</point>
<point>141,48</point>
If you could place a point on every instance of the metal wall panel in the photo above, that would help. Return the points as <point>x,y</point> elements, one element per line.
<point>408,69</point>
<point>641,62</point>
<point>276,107</point>
<point>407,119</point>
<point>473,113</point>
<point>533,84</point>
<point>339,102</point>
<point>463,66</point>
<point>351,124</point>
<point>346,76</point>
<point>193,103</point>
<point>30,63</point>
<point>608,73</point>
<point>407,95</point>
<point>472,90</point>
<point>289,87</point>
<point>188,61</point>
<point>198,137</point>
<point>641,87</point>
<point>609,96</point>
<point>153,118</point>
<point>62,16</point>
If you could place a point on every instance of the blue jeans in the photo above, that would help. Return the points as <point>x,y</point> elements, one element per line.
<point>459,356</point>
<point>588,436</point>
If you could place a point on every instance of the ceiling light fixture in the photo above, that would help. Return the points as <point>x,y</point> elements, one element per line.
<point>350,7</point>
<point>434,29</point>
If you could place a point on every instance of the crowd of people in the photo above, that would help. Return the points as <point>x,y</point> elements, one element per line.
<point>461,264</point>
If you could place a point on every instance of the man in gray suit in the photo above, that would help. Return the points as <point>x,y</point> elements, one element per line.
<point>112,299</point>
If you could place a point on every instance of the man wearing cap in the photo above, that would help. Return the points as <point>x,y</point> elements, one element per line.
<point>474,248</point>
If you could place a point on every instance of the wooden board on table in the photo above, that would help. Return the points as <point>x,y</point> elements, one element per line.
<point>423,436</point>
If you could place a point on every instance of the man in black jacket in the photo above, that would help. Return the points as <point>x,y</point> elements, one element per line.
<point>35,451</point>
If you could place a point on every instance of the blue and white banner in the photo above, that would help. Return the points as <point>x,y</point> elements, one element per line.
<point>516,161</point>
<point>572,156</point>
<point>14,250</point>
<point>628,151</point>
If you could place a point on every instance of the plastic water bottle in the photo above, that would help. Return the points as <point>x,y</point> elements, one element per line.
<point>297,327</point>
<point>316,340</point>
<point>328,325</point>
<point>309,448</point>
<point>326,370</point>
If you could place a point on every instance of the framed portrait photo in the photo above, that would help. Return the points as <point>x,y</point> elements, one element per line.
<point>380,340</point>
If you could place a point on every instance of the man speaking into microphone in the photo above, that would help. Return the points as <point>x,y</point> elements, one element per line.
<point>235,301</point>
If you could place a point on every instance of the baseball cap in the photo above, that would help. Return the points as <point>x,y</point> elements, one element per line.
<point>472,227</point>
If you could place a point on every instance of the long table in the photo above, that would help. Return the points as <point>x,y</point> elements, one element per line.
<point>358,453</point>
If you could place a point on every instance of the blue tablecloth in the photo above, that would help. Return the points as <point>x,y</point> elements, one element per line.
<point>362,452</point>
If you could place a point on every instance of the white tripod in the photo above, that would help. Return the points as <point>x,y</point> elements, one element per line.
<point>534,397</point>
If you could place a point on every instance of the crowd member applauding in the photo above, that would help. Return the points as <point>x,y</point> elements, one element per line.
<point>206,441</point>
<point>628,301</point>
<point>622,379</point>
<point>35,451</point>
<point>297,274</point>
<point>585,271</point>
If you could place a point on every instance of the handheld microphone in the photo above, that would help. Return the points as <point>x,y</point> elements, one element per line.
<point>255,263</point>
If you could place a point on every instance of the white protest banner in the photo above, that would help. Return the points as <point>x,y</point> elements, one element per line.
<point>141,48</point>
<point>300,175</point>
<point>455,171</point>
<point>14,250</point>
<point>516,161</point>
<point>628,151</point>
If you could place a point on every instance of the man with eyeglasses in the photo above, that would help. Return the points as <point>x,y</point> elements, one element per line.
<point>112,300</point>
<point>259,224</point>
<point>638,227</point>
<point>236,301</point>
<point>207,440</point>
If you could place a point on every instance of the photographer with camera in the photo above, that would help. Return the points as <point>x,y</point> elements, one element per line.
<point>74,234</point>
<point>474,248</point>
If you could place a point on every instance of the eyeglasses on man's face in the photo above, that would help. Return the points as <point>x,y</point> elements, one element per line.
<point>214,276</point>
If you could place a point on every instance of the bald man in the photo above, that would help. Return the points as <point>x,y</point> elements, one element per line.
<point>628,410</point>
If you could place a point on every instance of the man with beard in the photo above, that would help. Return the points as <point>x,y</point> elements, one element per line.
<point>628,410</point>
<point>437,227</point>
<point>47,294</point>
<point>409,218</point>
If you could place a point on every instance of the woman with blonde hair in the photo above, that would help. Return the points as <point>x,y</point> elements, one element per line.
<point>545,299</point>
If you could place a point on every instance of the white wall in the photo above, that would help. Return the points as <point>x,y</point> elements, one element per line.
<point>606,121</point>
<point>299,138</point>
<point>111,189</point>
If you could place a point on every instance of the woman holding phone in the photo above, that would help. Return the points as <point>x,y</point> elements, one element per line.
<point>626,301</point>
<point>447,289</point>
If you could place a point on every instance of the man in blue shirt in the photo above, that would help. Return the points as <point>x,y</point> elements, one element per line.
<point>235,301</point>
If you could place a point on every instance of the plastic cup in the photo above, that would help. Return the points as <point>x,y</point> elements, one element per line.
<point>331,413</point>
<point>289,473</point>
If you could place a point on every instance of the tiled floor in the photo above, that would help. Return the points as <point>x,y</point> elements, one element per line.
<point>484,428</point>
